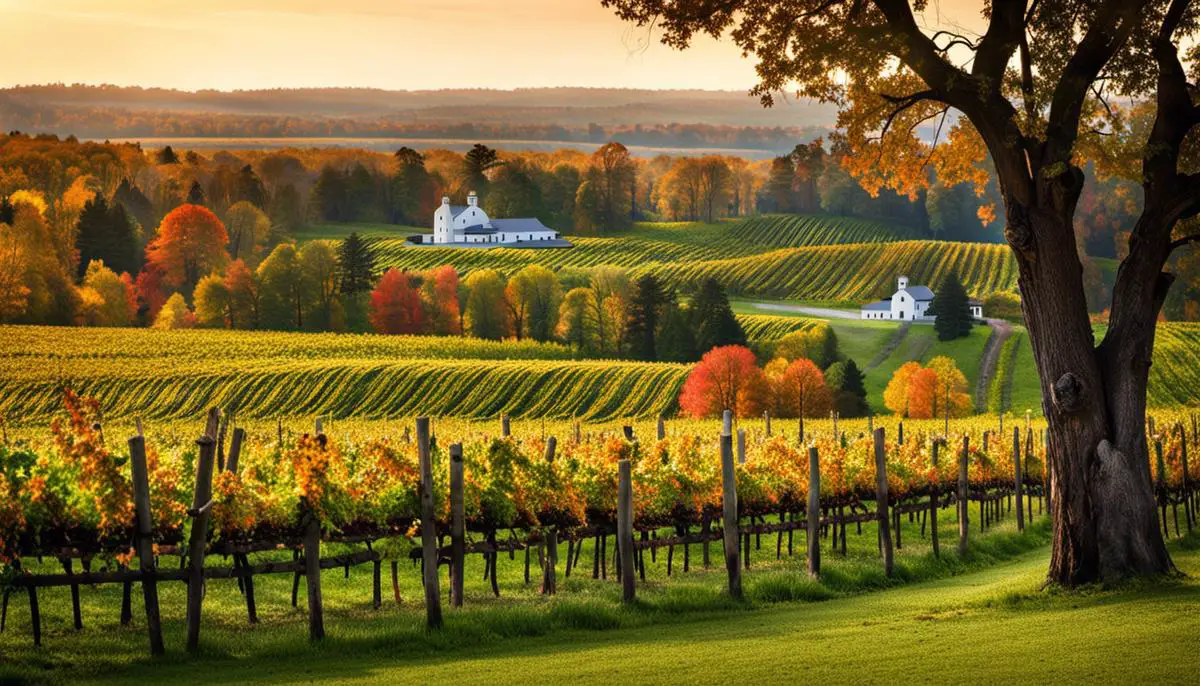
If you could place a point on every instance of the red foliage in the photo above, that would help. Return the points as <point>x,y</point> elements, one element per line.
<point>807,385</point>
<point>151,293</point>
<point>396,305</point>
<point>441,292</point>
<point>727,377</point>
<point>922,393</point>
<point>191,242</point>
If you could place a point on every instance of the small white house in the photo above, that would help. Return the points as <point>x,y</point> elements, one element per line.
<point>909,303</point>
<point>469,226</point>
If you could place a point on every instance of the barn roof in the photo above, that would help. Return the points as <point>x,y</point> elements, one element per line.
<point>522,224</point>
<point>880,306</point>
<point>920,292</point>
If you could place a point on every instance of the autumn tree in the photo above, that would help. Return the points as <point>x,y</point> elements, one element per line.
<point>578,320</point>
<point>283,294</point>
<point>214,303</point>
<point>818,344</point>
<point>249,232</point>
<point>486,311</point>
<point>604,199</point>
<point>116,304</point>
<point>439,293</point>
<point>534,295</point>
<point>396,305</point>
<point>245,300</point>
<point>319,276</point>
<point>175,314</point>
<point>896,395</point>
<point>724,379</point>
<point>191,242</point>
<point>1031,92</point>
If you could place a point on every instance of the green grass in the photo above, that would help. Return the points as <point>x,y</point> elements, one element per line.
<point>360,635</point>
<point>986,616</point>
<point>338,231</point>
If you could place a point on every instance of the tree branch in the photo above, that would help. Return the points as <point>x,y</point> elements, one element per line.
<point>1003,36</point>
<point>1114,22</point>
<point>1175,245</point>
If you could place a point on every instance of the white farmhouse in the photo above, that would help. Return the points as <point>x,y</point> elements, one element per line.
<point>910,304</point>
<point>469,226</point>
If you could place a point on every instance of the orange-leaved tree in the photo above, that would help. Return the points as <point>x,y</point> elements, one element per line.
<point>190,243</point>
<point>726,378</point>
<point>396,305</point>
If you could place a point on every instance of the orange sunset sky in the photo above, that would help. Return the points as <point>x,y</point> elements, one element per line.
<point>394,44</point>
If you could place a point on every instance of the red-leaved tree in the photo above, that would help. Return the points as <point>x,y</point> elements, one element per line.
<point>727,378</point>
<point>190,243</point>
<point>396,305</point>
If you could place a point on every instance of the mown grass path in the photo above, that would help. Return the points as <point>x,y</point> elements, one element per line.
<point>985,626</point>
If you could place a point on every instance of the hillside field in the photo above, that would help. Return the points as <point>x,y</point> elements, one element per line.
<point>812,258</point>
<point>264,375</point>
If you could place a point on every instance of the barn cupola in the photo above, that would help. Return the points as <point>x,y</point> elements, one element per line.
<point>902,283</point>
<point>472,199</point>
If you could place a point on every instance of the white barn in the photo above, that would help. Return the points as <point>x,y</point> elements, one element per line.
<point>909,303</point>
<point>469,226</point>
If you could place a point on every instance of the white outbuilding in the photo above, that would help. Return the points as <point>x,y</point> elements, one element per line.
<point>909,303</point>
<point>470,226</point>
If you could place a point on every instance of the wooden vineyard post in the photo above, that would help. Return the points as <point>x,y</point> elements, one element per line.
<point>312,575</point>
<point>729,509</point>
<point>662,428</point>
<point>145,547</point>
<point>198,538</point>
<point>963,505</point>
<point>1187,481</point>
<point>1018,486</point>
<point>550,559</point>
<point>458,525</point>
<point>505,426</point>
<point>767,421</point>
<point>429,541</point>
<point>934,495</point>
<point>625,529</point>
<point>741,446</point>
<point>1161,480</point>
<point>814,513</point>
<point>881,500</point>
<point>900,433</point>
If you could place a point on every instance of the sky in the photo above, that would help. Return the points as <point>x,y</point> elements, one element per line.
<point>391,44</point>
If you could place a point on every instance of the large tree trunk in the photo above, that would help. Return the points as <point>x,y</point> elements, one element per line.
<point>1105,525</point>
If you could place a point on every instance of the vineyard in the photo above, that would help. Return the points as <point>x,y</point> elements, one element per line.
<point>798,230</point>
<point>80,497</point>
<point>769,257</point>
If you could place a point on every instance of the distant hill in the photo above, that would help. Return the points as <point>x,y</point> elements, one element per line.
<point>641,117</point>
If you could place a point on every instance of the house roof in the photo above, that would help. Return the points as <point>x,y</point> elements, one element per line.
<point>976,303</point>
<point>478,229</point>
<point>920,292</point>
<point>523,224</point>
<point>456,210</point>
<point>880,306</point>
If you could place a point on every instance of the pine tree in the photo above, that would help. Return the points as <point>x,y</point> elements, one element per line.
<point>713,319</point>
<point>196,194</point>
<point>642,324</point>
<point>845,381</point>
<point>952,309</point>
<point>167,156</point>
<point>136,204</point>
<point>105,233</point>
<point>676,339</point>
<point>356,266</point>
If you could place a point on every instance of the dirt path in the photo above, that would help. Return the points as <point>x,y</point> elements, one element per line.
<point>1001,330</point>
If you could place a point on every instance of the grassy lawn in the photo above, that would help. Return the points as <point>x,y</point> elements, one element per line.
<point>360,636</point>
<point>985,619</point>
<point>1027,387</point>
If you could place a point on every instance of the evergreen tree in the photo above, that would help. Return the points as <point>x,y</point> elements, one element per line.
<point>195,194</point>
<point>845,381</point>
<point>7,211</point>
<point>249,188</point>
<point>362,198</point>
<point>287,214</point>
<point>356,266</point>
<point>330,201</point>
<point>105,233</point>
<point>135,202</point>
<point>952,309</point>
<point>479,160</point>
<point>642,323</point>
<point>676,340</point>
<point>713,319</point>
<point>167,156</point>
<point>779,193</point>
<point>411,185</point>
